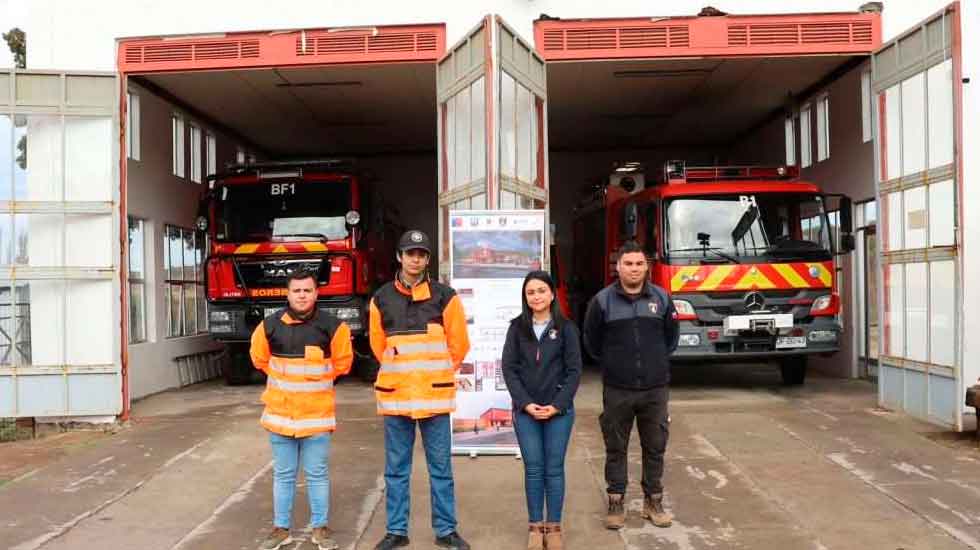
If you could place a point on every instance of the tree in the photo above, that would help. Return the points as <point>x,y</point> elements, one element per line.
<point>17,42</point>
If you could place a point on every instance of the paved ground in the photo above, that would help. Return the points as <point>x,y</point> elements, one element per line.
<point>750,465</point>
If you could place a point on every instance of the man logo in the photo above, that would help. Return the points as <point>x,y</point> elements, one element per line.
<point>754,301</point>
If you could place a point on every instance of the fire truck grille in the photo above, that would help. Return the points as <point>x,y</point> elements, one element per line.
<point>273,273</point>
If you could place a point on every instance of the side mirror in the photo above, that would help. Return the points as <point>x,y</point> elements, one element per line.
<point>846,243</point>
<point>630,221</point>
<point>846,215</point>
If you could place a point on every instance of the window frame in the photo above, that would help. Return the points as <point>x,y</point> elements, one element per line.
<point>806,137</point>
<point>195,141</point>
<point>210,154</point>
<point>134,280</point>
<point>823,127</point>
<point>178,145</point>
<point>195,281</point>
<point>133,149</point>
<point>789,132</point>
<point>867,107</point>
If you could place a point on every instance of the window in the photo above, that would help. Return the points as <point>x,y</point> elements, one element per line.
<point>137,281</point>
<point>866,106</point>
<point>806,149</point>
<point>183,262</point>
<point>195,154</point>
<point>823,128</point>
<point>133,126</point>
<point>240,155</point>
<point>178,145</point>
<point>211,155</point>
<point>790,142</point>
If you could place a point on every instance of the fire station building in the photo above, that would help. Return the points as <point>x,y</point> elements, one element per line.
<point>125,108</point>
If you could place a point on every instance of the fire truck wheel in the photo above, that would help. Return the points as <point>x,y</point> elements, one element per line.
<point>793,370</point>
<point>366,367</point>
<point>237,368</point>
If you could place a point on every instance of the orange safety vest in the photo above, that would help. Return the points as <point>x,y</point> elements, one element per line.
<point>301,360</point>
<point>419,337</point>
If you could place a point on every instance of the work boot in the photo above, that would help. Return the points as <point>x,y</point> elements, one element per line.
<point>535,536</point>
<point>653,510</point>
<point>277,538</point>
<point>390,541</point>
<point>552,536</point>
<point>322,539</point>
<point>616,514</point>
<point>452,541</point>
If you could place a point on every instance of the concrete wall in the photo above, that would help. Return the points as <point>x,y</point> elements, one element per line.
<point>160,198</point>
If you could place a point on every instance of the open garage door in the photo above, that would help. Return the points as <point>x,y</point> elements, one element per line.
<point>492,126</point>
<point>916,81</point>
<point>59,245</point>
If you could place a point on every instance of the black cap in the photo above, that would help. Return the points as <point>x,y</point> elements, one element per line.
<point>414,239</point>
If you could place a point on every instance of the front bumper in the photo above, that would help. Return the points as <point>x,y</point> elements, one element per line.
<point>821,336</point>
<point>235,322</point>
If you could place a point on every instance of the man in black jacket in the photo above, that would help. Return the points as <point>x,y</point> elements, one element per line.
<point>630,330</point>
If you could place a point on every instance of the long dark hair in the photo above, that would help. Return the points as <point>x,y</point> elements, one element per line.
<point>525,319</point>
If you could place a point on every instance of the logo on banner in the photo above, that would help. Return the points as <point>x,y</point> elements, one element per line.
<point>457,222</point>
<point>474,222</point>
<point>502,221</point>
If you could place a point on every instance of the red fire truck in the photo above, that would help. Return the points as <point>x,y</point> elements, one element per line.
<point>746,253</point>
<point>265,220</point>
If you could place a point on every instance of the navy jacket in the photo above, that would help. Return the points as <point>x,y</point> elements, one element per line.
<point>632,336</point>
<point>545,371</point>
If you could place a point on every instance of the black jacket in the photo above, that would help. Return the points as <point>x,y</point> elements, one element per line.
<point>632,336</point>
<point>545,371</point>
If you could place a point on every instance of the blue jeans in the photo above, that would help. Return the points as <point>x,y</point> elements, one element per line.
<point>437,442</point>
<point>543,445</point>
<point>287,453</point>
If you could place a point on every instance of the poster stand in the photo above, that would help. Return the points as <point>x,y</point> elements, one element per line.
<point>490,253</point>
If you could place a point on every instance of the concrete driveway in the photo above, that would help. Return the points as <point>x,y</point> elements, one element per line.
<point>751,464</point>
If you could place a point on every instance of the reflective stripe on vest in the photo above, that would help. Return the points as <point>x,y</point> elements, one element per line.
<point>422,347</point>
<point>421,404</point>
<point>305,387</point>
<point>298,424</point>
<point>410,366</point>
<point>294,369</point>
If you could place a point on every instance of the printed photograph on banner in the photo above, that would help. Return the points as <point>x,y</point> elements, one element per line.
<point>496,254</point>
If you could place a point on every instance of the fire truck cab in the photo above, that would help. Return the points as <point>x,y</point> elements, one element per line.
<point>746,254</point>
<point>266,220</point>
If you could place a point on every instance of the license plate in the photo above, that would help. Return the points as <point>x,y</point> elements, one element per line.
<point>790,342</point>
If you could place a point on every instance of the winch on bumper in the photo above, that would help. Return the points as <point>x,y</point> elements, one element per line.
<point>236,322</point>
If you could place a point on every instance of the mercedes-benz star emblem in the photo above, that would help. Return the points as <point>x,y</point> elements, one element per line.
<point>754,301</point>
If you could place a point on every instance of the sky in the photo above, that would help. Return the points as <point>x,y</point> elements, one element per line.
<point>13,13</point>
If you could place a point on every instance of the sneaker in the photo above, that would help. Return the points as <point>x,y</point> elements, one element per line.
<point>322,539</point>
<point>653,510</point>
<point>390,541</point>
<point>277,538</point>
<point>616,513</point>
<point>452,541</point>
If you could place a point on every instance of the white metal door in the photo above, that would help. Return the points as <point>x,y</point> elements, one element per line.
<point>59,244</point>
<point>919,194</point>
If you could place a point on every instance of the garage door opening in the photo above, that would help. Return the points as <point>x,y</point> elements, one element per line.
<point>627,96</point>
<point>341,117</point>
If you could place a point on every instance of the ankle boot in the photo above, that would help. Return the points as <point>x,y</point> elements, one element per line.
<point>535,536</point>
<point>552,536</point>
<point>616,513</point>
<point>653,510</point>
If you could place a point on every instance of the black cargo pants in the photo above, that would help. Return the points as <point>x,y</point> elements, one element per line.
<point>649,409</point>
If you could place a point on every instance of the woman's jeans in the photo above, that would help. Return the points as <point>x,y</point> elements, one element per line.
<point>287,454</point>
<point>543,445</point>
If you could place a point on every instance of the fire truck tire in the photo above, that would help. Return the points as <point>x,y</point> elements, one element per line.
<point>793,370</point>
<point>237,368</point>
<point>366,367</point>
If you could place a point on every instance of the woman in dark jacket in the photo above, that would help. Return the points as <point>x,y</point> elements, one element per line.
<point>542,365</point>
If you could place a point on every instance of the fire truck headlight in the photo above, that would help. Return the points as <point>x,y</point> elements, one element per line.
<point>220,316</point>
<point>353,217</point>
<point>202,223</point>
<point>689,340</point>
<point>685,311</point>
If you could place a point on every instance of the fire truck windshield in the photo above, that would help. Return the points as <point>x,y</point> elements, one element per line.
<point>282,211</point>
<point>747,228</point>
